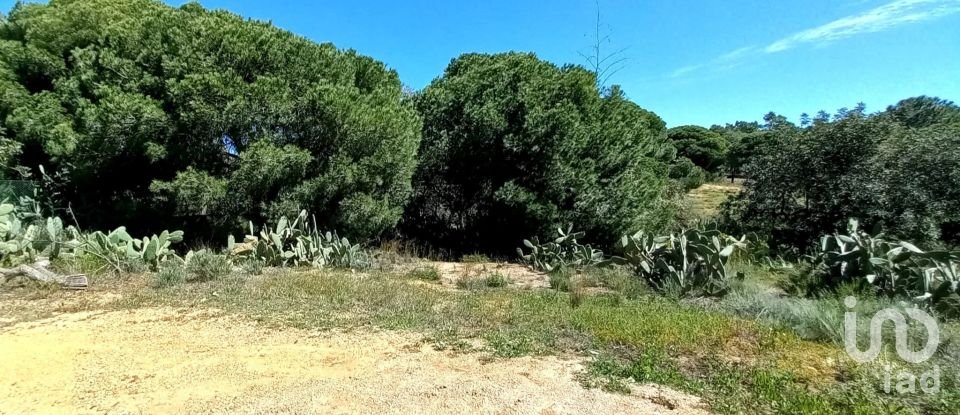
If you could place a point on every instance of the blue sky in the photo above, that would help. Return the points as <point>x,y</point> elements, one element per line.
<point>691,62</point>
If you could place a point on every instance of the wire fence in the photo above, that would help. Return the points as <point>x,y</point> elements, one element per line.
<point>12,190</point>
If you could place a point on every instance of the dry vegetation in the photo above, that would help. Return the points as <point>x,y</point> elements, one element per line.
<point>705,200</point>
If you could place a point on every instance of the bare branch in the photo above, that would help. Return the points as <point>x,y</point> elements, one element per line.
<point>603,65</point>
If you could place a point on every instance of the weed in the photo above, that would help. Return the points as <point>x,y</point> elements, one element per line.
<point>478,283</point>
<point>425,273</point>
<point>204,265</point>
<point>252,266</point>
<point>560,279</point>
<point>475,259</point>
<point>170,273</point>
<point>617,279</point>
<point>496,281</point>
<point>133,266</point>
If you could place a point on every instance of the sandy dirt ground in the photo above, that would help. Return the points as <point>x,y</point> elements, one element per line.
<point>165,361</point>
<point>520,276</point>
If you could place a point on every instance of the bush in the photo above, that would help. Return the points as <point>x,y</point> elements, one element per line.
<point>616,278</point>
<point>894,268</point>
<point>204,265</point>
<point>298,242</point>
<point>496,281</point>
<point>171,272</point>
<point>688,175</point>
<point>475,258</point>
<point>689,263</point>
<point>560,253</point>
<point>252,266</point>
<point>513,146</point>
<point>230,117</point>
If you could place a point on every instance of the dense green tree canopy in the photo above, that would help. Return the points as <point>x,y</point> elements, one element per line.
<point>924,111</point>
<point>514,145</point>
<point>117,95</point>
<point>705,148</point>
<point>886,169</point>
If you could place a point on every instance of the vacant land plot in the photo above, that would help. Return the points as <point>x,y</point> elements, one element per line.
<point>399,342</point>
<point>165,360</point>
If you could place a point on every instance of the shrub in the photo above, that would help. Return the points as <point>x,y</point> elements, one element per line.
<point>496,281</point>
<point>560,253</point>
<point>252,266</point>
<point>688,175</point>
<point>298,242</point>
<point>895,268</point>
<point>513,145</point>
<point>171,273</point>
<point>120,251</point>
<point>616,278</point>
<point>204,265</point>
<point>690,263</point>
<point>26,236</point>
<point>475,258</point>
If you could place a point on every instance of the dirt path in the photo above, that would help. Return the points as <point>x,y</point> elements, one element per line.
<point>176,361</point>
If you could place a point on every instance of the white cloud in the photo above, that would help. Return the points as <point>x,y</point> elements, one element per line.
<point>684,70</point>
<point>892,14</point>
<point>881,18</point>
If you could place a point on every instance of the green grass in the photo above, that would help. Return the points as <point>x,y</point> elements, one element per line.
<point>425,273</point>
<point>705,200</point>
<point>487,281</point>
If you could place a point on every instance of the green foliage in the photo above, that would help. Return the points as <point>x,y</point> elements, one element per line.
<point>893,268</point>
<point>192,105</point>
<point>744,148</point>
<point>26,236</point>
<point>496,281</point>
<point>917,191</point>
<point>894,168</point>
<point>169,274</point>
<point>9,151</point>
<point>562,252</point>
<point>298,242</point>
<point>705,148</point>
<point>513,145</point>
<point>251,266</point>
<point>689,263</point>
<point>479,283</point>
<point>924,111</point>
<point>118,248</point>
<point>689,175</point>
<point>426,273</point>
<point>9,231</point>
<point>205,265</point>
<point>475,258</point>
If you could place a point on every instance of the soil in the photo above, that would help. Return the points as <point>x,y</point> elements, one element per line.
<point>519,276</point>
<point>163,360</point>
